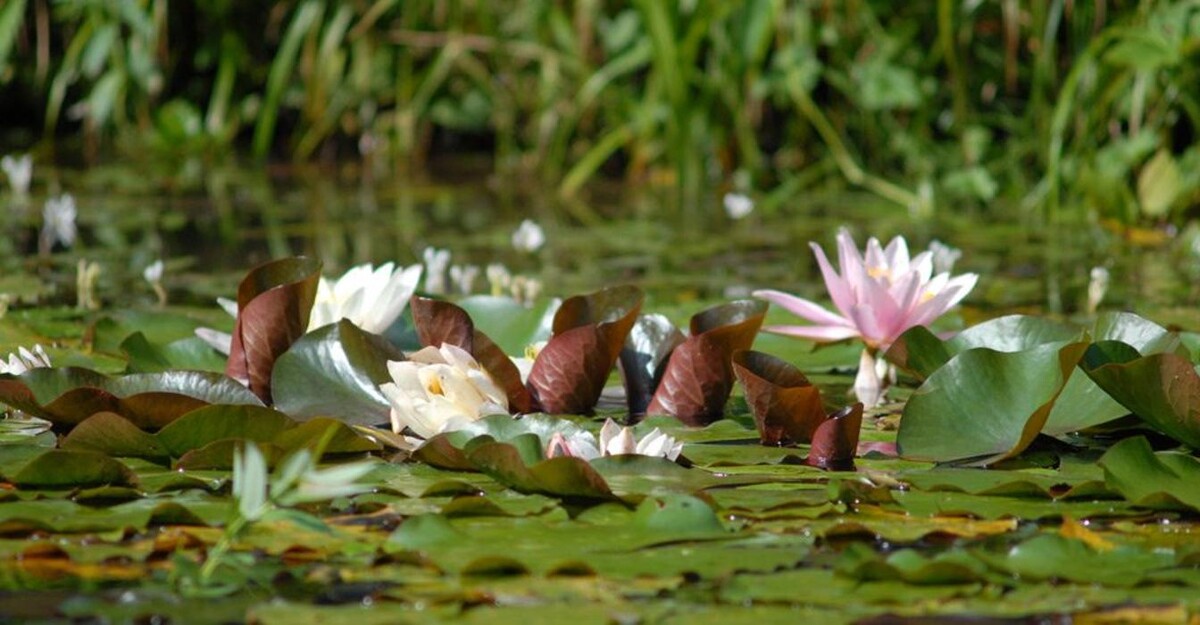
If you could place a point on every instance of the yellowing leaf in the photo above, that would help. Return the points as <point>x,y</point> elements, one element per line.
<point>1077,531</point>
<point>1159,184</point>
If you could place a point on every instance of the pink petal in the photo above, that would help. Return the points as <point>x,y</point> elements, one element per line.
<point>897,254</point>
<point>815,333</point>
<point>839,290</point>
<point>801,307</point>
<point>867,324</point>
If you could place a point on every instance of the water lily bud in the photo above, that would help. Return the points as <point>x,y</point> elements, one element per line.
<point>463,277</point>
<point>498,278</point>
<point>19,170</point>
<point>1097,288</point>
<point>436,263</point>
<point>58,222</point>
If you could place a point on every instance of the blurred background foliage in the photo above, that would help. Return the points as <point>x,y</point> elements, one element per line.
<point>1049,107</point>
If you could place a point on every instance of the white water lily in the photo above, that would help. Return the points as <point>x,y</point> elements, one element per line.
<point>499,278</point>
<point>25,359</point>
<point>58,221</point>
<point>738,205</point>
<point>153,272</point>
<point>528,237</point>
<point>615,440</point>
<point>525,289</point>
<point>944,256</point>
<point>19,170</point>
<point>371,298</point>
<point>440,389</point>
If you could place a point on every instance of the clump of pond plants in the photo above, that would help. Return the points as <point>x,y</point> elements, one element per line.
<point>360,448</point>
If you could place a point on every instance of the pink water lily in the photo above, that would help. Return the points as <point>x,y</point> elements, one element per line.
<point>878,296</point>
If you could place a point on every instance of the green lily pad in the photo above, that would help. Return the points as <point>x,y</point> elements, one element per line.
<point>335,371</point>
<point>109,433</point>
<point>1163,389</point>
<point>212,423</point>
<point>986,404</point>
<point>59,468</point>
<point>1156,480</point>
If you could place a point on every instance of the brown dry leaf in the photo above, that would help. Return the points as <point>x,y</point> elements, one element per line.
<point>1076,530</point>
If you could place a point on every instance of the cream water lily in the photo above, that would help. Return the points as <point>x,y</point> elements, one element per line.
<point>440,389</point>
<point>878,296</point>
<point>615,440</point>
<point>371,298</point>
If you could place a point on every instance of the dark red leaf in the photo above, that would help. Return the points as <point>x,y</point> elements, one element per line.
<point>836,440</point>
<point>589,332</point>
<point>644,359</point>
<point>274,302</point>
<point>786,406</point>
<point>699,375</point>
<point>439,322</point>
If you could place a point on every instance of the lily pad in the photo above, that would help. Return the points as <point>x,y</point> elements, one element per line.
<point>60,468</point>
<point>786,406</point>
<point>335,371</point>
<point>1157,480</point>
<point>212,423</point>
<point>986,404</point>
<point>111,434</point>
<point>699,374</point>
<point>274,303</point>
<point>589,333</point>
<point>1163,389</point>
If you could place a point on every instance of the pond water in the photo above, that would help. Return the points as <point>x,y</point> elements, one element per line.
<point>211,223</point>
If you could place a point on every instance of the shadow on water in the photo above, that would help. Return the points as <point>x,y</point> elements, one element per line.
<point>210,224</point>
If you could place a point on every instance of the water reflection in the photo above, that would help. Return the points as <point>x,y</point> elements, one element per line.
<point>211,224</point>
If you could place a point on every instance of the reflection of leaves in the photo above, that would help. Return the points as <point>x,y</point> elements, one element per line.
<point>699,374</point>
<point>274,302</point>
<point>589,333</point>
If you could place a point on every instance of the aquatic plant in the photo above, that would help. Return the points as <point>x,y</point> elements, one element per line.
<point>879,295</point>
<point>440,389</point>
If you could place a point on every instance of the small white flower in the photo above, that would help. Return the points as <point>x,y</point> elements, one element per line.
<point>498,278</point>
<point>463,277</point>
<point>439,390</point>
<point>944,256</point>
<point>19,170</point>
<point>25,359</point>
<point>59,221</point>
<point>528,237</point>
<point>615,440</point>
<point>371,298</point>
<point>737,205</point>
<point>1097,288</point>
<point>436,263</point>
<point>153,272</point>
<point>526,290</point>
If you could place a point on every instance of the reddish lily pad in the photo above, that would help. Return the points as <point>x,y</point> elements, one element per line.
<point>699,374</point>
<point>589,333</point>
<point>438,322</point>
<point>835,441</point>
<point>786,406</point>
<point>274,303</point>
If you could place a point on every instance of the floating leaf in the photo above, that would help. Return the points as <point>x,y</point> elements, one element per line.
<point>920,352</point>
<point>344,439</point>
<point>187,353</point>
<point>67,396</point>
<point>1163,389</point>
<point>335,371</point>
<point>274,303</point>
<point>589,333</point>
<point>109,433</point>
<point>1157,480</point>
<point>571,478</point>
<point>60,468</point>
<point>212,423</point>
<point>785,405</point>
<point>438,322</point>
<point>985,403</point>
<point>644,358</point>
<point>699,374</point>
<point>835,441</point>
